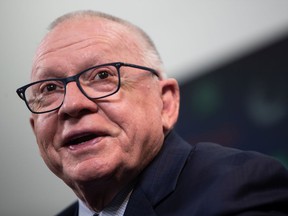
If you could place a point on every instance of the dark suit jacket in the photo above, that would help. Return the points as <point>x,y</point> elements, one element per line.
<point>207,179</point>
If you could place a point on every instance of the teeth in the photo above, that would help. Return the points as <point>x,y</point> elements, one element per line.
<point>82,139</point>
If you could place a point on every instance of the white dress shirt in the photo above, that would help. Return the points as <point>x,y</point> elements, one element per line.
<point>116,208</point>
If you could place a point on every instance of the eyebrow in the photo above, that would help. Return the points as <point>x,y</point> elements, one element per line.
<point>47,72</point>
<point>43,73</point>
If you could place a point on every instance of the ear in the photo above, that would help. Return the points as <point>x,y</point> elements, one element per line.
<point>171,100</point>
<point>32,124</point>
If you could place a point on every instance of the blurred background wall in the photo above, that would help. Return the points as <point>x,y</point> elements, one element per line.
<point>241,103</point>
<point>229,57</point>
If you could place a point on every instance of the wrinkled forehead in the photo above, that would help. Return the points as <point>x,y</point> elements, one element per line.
<point>86,37</point>
<point>77,30</point>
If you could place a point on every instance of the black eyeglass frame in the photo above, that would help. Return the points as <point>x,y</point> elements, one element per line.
<point>75,78</point>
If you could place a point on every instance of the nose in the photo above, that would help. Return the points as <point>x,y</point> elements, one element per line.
<point>76,103</point>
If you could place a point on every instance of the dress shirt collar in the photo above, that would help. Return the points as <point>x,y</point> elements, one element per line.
<point>117,206</point>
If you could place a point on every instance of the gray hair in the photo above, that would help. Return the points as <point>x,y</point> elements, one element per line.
<point>149,53</point>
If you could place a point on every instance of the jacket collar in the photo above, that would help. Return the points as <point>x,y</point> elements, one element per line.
<point>159,179</point>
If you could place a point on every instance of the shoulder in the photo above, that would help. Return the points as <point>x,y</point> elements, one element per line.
<point>220,157</point>
<point>215,162</point>
<point>231,180</point>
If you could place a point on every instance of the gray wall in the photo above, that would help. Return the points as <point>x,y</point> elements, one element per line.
<point>189,34</point>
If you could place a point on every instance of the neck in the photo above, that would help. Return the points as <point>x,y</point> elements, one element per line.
<point>97,195</point>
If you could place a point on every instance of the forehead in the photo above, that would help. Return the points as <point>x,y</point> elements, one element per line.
<point>81,30</point>
<point>76,42</point>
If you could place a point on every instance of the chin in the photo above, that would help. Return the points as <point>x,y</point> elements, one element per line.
<point>86,172</point>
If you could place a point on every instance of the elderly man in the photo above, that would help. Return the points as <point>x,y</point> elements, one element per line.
<point>103,113</point>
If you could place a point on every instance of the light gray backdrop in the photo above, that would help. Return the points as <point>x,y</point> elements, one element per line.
<point>189,35</point>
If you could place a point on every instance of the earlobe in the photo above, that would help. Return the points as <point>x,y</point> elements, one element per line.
<point>171,100</point>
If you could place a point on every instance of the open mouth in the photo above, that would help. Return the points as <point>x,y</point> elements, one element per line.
<point>81,139</point>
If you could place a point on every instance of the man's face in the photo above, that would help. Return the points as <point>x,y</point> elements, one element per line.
<point>110,138</point>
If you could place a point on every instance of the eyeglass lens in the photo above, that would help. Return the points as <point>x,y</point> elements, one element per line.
<point>95,83</point>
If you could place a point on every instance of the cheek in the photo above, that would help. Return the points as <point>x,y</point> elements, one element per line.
<point>45,131</point>
<point>138,114</point>
<point>134,112</point>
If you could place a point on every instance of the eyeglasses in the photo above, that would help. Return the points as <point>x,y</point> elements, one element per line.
<point>95,82</point>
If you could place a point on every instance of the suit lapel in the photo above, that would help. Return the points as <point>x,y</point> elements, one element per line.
<point>139,205</point>
<point>159,179</point>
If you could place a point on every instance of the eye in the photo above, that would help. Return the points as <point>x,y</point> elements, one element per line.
<point>102,75</point>
<point>98,74</point>
<point>50,87</point>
